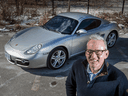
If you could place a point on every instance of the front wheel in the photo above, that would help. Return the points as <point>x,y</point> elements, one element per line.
<point>111,39</point>
<point>57,58</point>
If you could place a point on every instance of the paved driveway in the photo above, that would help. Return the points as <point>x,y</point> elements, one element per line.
<point>17,81</point>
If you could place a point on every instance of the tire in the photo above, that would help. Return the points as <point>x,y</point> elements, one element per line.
<point>111,39</point>
<point>57,58</point>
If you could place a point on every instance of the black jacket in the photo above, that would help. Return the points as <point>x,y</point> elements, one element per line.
<point>110,82</point>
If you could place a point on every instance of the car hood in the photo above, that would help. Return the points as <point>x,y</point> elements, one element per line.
<point>33,36</point>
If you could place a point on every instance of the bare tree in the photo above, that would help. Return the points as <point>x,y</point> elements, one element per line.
<point>7,11</point>
<point>68,6</point>
<point>19,6</point>
<point>88,8</point>
<point>123,6</point>
<point>53,13</point>
<point>45,5</point>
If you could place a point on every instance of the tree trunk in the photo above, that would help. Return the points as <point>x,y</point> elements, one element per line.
<point>123,6</point>
<point>88,8</point>
<point>53,7</point>
<point>68,6</point>
<point>22,9</point>
<point>17,7</point>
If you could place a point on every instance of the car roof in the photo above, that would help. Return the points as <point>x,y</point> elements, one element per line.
<point>77,15</point>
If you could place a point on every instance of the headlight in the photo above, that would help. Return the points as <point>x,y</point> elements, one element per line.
<point>34,49</point>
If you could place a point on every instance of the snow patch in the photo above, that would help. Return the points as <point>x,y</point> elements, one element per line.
<point>126,34</point>
<point>59,77</point>
<point>4,29</point>
<point>113,21</point>
<point>4,22</point>
<point>121,26</point>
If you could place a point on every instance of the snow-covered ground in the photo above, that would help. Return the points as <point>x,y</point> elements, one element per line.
<point>35,21</point>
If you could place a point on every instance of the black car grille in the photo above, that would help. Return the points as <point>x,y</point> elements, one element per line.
<point>19,61</point>
<point>22,62</point>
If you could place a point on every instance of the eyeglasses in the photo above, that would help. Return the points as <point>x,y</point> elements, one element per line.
<point>97,52</point>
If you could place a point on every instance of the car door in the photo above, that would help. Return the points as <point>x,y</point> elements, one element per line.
<point>80,40</point>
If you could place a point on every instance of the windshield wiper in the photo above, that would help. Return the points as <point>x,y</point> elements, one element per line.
<point>51,29</point>
<point>55,31</point>
<point>45,27</point>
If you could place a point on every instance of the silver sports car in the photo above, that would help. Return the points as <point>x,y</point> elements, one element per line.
<point>62,37</point>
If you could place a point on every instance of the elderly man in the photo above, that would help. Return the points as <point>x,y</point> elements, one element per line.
<point>94,76</point>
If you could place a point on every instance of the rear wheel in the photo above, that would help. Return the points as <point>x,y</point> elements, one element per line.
<point>111,39</point>
<point>57,58</point>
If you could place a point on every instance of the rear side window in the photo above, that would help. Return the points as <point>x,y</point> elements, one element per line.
<point>89,24</point>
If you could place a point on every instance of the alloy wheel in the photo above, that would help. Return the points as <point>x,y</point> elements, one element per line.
<point>58,58</point>
<point>111,39</point>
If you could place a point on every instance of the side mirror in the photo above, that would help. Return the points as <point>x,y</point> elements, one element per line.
<point>81,31</point>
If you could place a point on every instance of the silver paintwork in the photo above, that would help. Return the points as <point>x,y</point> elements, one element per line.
<point>74,43</point>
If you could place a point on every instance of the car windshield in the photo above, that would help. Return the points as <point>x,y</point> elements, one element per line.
<point>61,24</point>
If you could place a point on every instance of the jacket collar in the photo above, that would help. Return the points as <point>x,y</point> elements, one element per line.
<point>103,72</point>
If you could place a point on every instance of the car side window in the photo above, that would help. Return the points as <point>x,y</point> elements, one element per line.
<point>89,24</point>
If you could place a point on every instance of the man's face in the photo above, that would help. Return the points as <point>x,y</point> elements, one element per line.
<point>96,59</point>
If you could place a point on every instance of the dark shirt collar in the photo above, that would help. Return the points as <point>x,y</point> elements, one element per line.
<point>103,72</point>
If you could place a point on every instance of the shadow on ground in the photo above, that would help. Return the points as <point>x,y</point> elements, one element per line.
<point>59,72</point>
<point>119,52</point>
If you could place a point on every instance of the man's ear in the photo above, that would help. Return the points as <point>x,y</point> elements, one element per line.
<point>106,54</point>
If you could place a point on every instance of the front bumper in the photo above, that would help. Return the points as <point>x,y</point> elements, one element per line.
<point>19,58</point>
